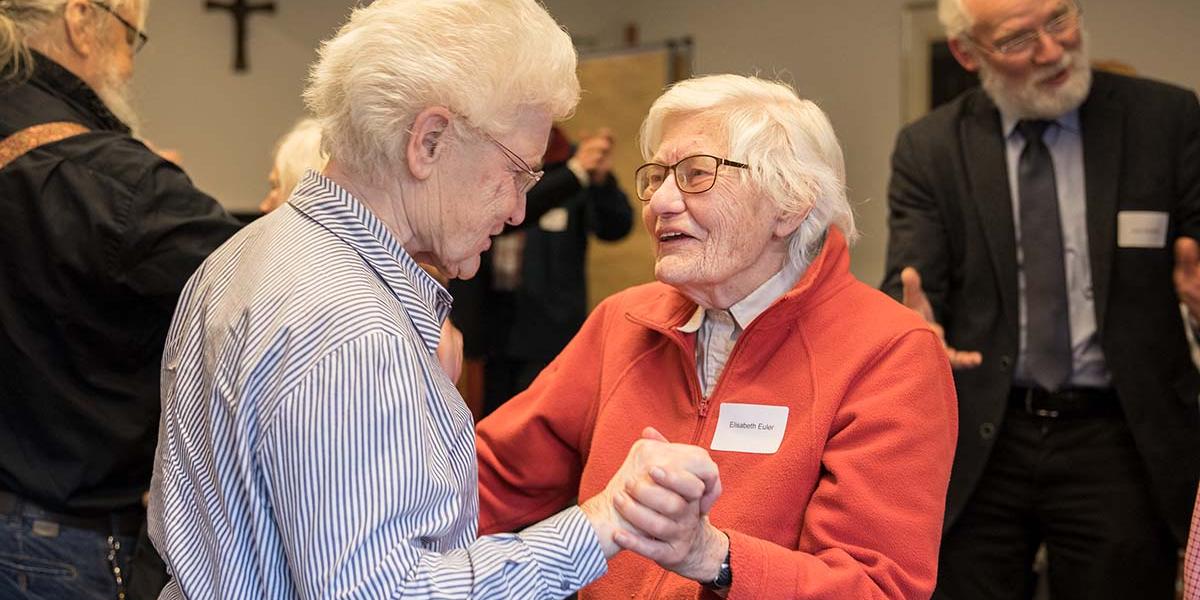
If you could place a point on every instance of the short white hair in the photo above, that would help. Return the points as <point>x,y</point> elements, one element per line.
<point>787,141</point>
<point>23,21</point>
<point>482,59</point>
<point>296,152</point>
<point>954,18</point>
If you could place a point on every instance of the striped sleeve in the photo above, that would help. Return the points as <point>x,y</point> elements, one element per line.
<point>363,479</point>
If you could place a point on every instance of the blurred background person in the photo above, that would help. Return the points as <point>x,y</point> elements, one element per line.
<point>828,408</point>
<point>100,233</point>
<point>299,150</point>
<point>530,297</point>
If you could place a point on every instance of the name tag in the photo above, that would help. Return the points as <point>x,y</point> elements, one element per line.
<point>1141,229</point>
<point>753,428</point>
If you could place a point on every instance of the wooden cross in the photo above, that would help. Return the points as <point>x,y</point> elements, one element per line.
<point>240,10</point>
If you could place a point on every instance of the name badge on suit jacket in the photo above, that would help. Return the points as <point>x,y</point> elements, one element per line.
<point>753,428</point>
<point>1141,229</point>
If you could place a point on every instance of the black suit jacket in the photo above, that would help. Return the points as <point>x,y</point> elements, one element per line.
<point>951,218</point>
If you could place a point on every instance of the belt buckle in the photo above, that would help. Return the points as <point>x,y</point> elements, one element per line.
<point>1040,412</point>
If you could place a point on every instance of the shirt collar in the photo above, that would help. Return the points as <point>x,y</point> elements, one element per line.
<point>1068,121</point>
<point>334,208</point>
<point>59,81</point>
<point>747,309</point>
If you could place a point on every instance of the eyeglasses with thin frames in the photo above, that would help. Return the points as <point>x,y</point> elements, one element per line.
<point>133,36</point>
<point>694,174</point>
<point>1058,28</point>
<point>531,176</point>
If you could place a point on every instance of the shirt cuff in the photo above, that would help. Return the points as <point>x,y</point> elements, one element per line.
<point>566,549</point>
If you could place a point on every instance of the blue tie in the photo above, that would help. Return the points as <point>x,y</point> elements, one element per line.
<point>1048,324</point>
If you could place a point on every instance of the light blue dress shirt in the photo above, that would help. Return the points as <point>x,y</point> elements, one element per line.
<point>1065,142</point>
<point>310,444</point>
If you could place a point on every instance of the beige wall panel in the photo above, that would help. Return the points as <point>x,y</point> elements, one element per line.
<point>618,90</point>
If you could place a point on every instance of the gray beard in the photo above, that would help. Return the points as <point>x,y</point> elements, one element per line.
<point>117,96</point>
<point>1025,101</point>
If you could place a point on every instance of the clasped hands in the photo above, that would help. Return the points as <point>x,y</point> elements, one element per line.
<point>657,505</point>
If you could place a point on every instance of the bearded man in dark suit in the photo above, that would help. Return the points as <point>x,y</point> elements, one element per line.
<point>1038,223</point>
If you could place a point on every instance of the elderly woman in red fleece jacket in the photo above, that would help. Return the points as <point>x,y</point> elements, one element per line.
<point>828,408</point>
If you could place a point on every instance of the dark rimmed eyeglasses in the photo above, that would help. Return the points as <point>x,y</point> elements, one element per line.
<point>694,174</point>
<point>531,177</point>
<point>1059,28</point>
<point>133,36</point>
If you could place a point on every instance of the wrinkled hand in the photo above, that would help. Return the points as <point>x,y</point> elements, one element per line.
<point>670,522</point>
<point>678,479</point>
<point>450,350</point>
<point>594,155</point>
<point>914,297</point>
<point>1187,274</point>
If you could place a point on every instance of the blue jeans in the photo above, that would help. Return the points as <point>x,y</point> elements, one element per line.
<point>42,560</point>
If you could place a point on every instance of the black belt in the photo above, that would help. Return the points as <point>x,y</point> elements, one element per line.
<point>120,523</point>
<point>1065,403</point>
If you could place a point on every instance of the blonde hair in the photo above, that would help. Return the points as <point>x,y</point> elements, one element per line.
<point>482,59</point>
<point>788,142</point>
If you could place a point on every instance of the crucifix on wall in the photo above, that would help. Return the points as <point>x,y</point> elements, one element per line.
<point>240,10</point>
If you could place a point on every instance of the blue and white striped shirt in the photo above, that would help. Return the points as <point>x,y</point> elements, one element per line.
<point>310,444</point>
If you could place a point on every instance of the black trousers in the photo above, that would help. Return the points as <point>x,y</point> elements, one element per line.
<point>1076,484</point>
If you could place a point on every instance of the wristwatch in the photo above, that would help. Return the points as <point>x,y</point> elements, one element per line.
<point>724,579</point>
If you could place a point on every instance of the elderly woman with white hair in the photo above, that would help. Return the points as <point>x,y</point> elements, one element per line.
<point>310,444</point>
<point>828,407</point>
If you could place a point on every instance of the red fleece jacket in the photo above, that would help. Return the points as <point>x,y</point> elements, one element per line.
<point>851,504</point>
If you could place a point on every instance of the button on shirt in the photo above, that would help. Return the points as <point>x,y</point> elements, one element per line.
<point>1064,140</point>
<point>310,444</point>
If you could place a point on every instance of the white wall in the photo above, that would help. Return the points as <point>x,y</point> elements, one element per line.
<point>226,124</point>
<point>845,55</point>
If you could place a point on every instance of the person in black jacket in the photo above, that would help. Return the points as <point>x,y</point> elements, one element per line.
<point>530,296</point>
<point>99,236</point>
